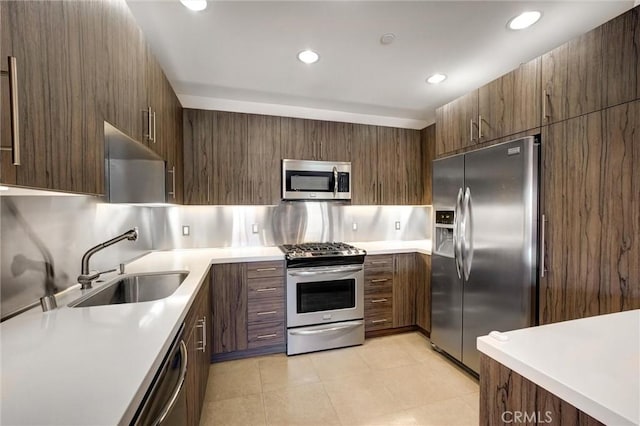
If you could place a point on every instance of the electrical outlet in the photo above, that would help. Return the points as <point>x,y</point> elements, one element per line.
<point>397,225</point>
<point>186,230</point>
<point>254,228</point>
<point>354,226</point>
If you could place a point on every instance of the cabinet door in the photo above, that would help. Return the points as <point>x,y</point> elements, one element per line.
<point>301,139</point>
<point>264,158</point>
<point>174,156</point>
<point>423,291</point>
<point>399,168</point>
<point>229,304</point>
<point>457,124</point>
<point>364,165</point>
<point>591,202</point>
<point>157,132</point>
<point>511,103</point>
<point>428,153</point>
<point>192,379</point>
<point>7,169</point>
<point>622,62</point>
<point>572,78</point>
<point>61,132</point>
<point>404,290</point>
<point>230,170</point>
<point>337,145</point>
<point>198,155</point>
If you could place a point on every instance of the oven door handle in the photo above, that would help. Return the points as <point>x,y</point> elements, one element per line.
<point>324,271</point>
<point>343,326</point>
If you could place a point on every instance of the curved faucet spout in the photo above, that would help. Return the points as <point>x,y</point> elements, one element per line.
<point>86,278</point>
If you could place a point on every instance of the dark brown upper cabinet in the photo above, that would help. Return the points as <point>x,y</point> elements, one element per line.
<point>364,165</point>
<point>510,104</point>
<point>400,179</point>
<point>263,163</point>
<point>428,153</point>
<point>621,51</point>
<point>56,46</point>
<point>456,124</point>
<point>572,78</point>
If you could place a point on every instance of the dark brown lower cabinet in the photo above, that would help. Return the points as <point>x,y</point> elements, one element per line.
<point>248,309</point>
<point>197,325</point>
<point>508,398</point>
<point>404,290</point>
<point>591,202</point>
<point>423,291</point>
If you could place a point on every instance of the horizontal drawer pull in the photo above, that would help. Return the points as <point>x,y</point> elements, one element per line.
<point>379,262</point>
<point>267,336</point>
<point>380,280</point>
<point>378,321</point>
<point>260,290</point>
<point>378,300</point>
<point>267,313</point>
<point>265,269</point>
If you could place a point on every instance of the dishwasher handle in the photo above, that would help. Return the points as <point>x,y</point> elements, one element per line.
<point>176,391</point>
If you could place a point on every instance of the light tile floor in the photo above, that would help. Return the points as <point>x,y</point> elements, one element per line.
<point>392,380</point>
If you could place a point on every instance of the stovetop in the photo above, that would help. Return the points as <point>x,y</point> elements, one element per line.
<point>322,254</point>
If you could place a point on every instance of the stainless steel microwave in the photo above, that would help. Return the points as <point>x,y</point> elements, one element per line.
<point>316,180</point>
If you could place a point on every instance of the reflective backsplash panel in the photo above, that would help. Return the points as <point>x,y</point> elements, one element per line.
<point>61,229</point>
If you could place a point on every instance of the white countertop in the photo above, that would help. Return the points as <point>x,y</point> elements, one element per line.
<point>80,366</point>
<point>592,363</point>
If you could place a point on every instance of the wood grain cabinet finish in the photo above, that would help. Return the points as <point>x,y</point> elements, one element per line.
<point>428,154</point>
<point>504,392</point>
<point>572,78</point>
<point>423,291</point>
<point>591,184</point>
<point>621,51</point>
<point>511,103</point>
<point>400,179</point>
<point>263,163</point>
<point>364,165</point>
<point>198,332</point>
<point>404,290</point>
<point>229,303</point>
<point>266,302</point>
<point>456,124</point>
<point>61,141</point>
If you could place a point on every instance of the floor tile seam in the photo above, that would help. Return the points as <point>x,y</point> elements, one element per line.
<point>333,407</point>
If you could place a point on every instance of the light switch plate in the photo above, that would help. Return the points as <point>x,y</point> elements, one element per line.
<point>254,228</point>
<point>354,226</point>
<point>397,225</point>
<point>186,230</point>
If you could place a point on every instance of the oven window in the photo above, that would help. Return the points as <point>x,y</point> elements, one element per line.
<point>309,181</point>
<point>326,295</point>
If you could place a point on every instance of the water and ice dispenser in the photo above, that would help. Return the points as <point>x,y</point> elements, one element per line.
<point>443,238</point>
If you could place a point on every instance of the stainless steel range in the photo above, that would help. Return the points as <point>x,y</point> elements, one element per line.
<point>325,296</point>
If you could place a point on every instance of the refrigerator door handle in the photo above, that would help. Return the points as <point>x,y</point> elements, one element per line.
<point>467,229</point>
<point>457,252</point>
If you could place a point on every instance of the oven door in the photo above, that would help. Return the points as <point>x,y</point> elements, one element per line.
<point>324,294</point>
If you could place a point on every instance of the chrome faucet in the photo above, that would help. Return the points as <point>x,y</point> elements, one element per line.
<point>86,278</point>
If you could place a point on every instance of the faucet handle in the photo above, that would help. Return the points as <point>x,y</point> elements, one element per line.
<point>86,281</point>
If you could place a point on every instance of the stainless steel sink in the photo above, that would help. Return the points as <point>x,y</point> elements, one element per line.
<point>133,288</point>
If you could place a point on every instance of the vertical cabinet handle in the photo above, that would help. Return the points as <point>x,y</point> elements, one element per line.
<point>208,190</point>
<point>154,127</point>
<point>151,125</point>
<point>480,127</point>
<point>542,244</point>
<point>14,112</point>
<point>173,182</point>
<point>471,130</point>
<point>545,101</point>
<point>202,325</point>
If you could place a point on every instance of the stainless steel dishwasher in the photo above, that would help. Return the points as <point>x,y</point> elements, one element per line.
<point>166,403</point>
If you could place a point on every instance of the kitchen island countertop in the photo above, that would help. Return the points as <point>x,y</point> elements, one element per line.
<point>592,363</point>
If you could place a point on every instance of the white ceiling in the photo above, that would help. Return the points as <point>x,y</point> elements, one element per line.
<point>241,55</point>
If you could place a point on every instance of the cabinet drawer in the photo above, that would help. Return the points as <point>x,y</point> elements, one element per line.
<point>378,322</point>
<point>378,282</point>
<point>266,334</point>
<point>375,264</point>
<point>268,311</point>
<point>378,301</point>
<point>265,269</point>
<point>265,289</point>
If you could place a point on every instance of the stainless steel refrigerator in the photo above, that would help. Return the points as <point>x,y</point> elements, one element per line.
<point>485,251</point>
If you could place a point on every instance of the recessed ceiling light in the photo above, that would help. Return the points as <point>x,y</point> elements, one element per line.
<point>196,5</point>
<point>524,20</point>
<point>308,56</point>
<point>387,38</point>
<point>436,78</point>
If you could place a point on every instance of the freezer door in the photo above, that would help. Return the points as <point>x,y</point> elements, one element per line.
<point>446,286</point>
<point>499,232</point>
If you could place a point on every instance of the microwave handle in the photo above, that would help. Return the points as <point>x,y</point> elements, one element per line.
<point>335,181</point>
